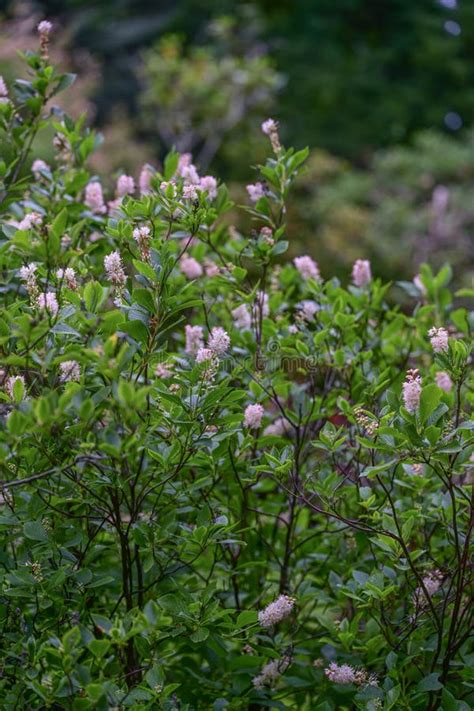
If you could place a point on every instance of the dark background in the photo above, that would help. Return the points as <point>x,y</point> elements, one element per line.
<point>382,90</point>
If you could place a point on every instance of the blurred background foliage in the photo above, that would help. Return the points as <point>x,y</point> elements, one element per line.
<point>381,90</point>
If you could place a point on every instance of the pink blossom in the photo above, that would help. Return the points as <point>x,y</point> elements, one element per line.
<point>255,191</point>
<point>443,381</point>
<point>412,391</point>
<point>440,199</point>
<point>269,126</point>
<point>209,184</point>
<point>48,302</point>
<point>361,272</point>
<point>439,339</point>
<point>38,166</point>
<point>278,428</point>
<point>28,272</point>
<point>242,318</point>
<point>94,198</point>
<point>308,309</point>
<point>343,674</point>
<point>114,268</point>
<point>218,341</point>
<point>141,235</point>
<point>45,27</point>
<point>144,180</point>
<point>205,354</point>
<point>253,416</point>
<point>3,91</point>
<point>190,267</point>
<point>307,267</point>
<point>70,371</point>
<point>163,370</point>
<point>69,277</point>
<point>32,219</point>
<point>211,268</point>
<point>276,611</point>
<point>431,583</point>
<point>190,192</point>
<point>125,186</point>
<point>270,673</point>
<point>194,339</point>
<point>187,170</point>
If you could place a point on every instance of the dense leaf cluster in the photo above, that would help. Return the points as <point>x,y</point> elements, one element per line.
<point>146,518</point>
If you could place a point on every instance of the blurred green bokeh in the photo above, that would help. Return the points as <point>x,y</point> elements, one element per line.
<point>382,91</point>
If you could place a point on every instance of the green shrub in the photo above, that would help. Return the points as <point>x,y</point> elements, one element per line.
<point>219,492</point>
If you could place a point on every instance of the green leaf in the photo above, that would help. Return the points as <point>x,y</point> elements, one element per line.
<point>429,401</point>
<point>200,635</point>
<point>136,329</point>
<point>93,295</point>
<point>34,531</point>
<point>430,683</point>
<point>247,617</point>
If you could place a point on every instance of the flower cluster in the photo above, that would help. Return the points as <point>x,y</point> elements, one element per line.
<point>142,236</point>
<point>439,339</point>
<point>369,425</point>
<point>307,267</point>
<point>253,416</point>
<point>48,302</point>
<point>28,275</point>
<point>276,611</point>
<point>345,674</point>
<point>270,673</point>
<point>361,272</point>
<point>412,391</point>
<point>115,274</point>
<point>67,275</point>
<point>94,198</point>
<point>70,371</point>
<point>194,339</point>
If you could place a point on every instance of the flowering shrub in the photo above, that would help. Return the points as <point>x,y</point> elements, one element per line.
<point>216,491</point>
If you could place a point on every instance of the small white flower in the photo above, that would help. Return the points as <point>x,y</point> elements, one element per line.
<point>443,381</point>
<point>242,318</point>
<point>70,371</point>
<point>38,166</point>
<point>190,267</point>
<point>204,354</point>
<point>94,198</point>
<point>190,192</point>
<point>439,339</point>
<point>208,184</point>
<point>194,339</point>
<point>67,275</point>
<point>412,391</point>
<point>114,268</point>
<point>343,674</point>
<point>32,219</point>
<point>269,126</point>
<point>276,611</point>
<point>255,191</point>
<point>48,302</point>
<point>218,341</point>
<point>125,186</point>
<point>307,267</point>
<point>361,272</point>
<point>253,416</point>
